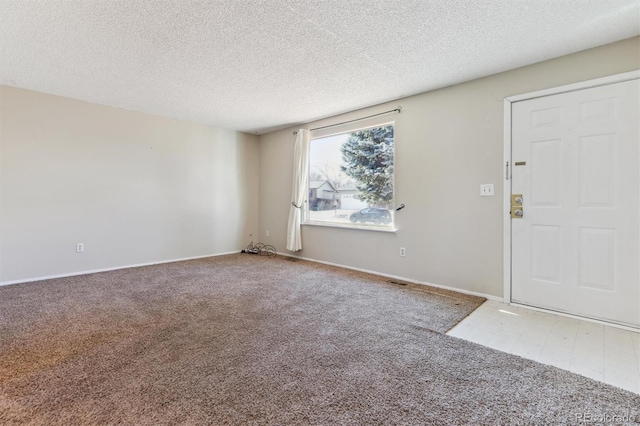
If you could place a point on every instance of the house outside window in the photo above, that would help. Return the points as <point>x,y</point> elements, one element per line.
<point>351,177</point>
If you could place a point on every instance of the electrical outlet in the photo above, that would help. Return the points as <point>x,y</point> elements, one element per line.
<point>403,252</point>
<point>80,248</point>
<point>267,233</point>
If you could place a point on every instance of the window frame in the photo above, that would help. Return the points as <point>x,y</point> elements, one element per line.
<point>339,130</point>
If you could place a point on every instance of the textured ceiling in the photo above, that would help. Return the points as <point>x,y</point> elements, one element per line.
<point>258,65</point>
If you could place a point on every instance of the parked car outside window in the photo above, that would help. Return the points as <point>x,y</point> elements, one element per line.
<point>371,214</point>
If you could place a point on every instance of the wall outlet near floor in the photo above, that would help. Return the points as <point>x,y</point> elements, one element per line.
<point>80,248</point>
<point>403,252</point>
<point>267,233</point>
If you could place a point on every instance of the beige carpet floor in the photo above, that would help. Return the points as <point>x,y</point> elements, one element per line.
<point>244,339</point>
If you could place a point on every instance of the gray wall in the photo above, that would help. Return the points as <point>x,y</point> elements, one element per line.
<point>134,188</point>
<point>448,142</point>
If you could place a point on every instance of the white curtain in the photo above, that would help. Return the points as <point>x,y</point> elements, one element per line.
<point>299,190</point>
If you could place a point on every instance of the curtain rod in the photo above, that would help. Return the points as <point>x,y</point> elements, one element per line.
<point>399,109</point>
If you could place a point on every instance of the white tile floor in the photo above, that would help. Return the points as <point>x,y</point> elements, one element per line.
<point>608,354</point>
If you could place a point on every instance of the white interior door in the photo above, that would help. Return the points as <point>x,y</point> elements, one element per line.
<point>575,160</point>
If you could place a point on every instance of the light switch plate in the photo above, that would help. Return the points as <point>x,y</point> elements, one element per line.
<point>486,190</point>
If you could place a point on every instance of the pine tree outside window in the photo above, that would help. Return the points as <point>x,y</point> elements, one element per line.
<point>351,177</point>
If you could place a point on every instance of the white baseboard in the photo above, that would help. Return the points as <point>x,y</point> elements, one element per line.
<point>115,268</point>
<point>395,277</point>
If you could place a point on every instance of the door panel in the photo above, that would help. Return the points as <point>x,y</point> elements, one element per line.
<point>576,249</point>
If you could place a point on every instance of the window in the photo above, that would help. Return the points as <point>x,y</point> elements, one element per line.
<point>351,177</point>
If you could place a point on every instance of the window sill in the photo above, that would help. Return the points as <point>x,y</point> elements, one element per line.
<point>374,228</point>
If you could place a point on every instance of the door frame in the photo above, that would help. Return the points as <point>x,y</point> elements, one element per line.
<point>507,161</point>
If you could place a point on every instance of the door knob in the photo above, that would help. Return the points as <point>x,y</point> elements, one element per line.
<point>517,210</point>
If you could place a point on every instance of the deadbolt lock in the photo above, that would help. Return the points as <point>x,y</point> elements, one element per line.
<point>517,210</point>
